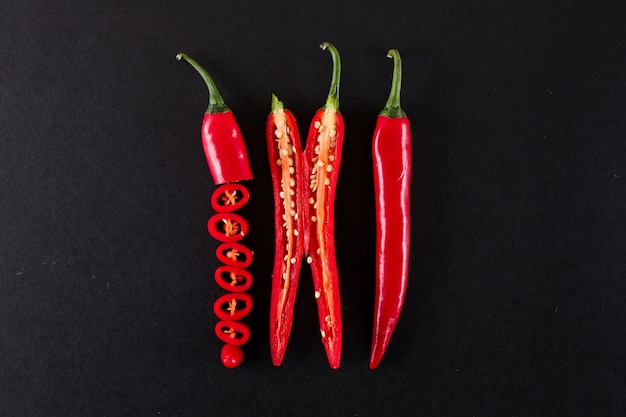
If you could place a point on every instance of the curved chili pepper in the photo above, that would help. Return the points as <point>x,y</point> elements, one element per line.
<point>232,332</point>
<point>233,306</point>
<point>285,154</point>
<point>223,144</point>
<point>322,156</point>
<point>233,279</point>
<point>227,227</point>
<point>391,151</point>
<point>229,197</point>
<point>234,254</point>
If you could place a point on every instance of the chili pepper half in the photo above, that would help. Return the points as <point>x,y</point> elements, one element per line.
<point>322,156</point>
<point>285,156</point>
<point>223,144</point>
<point>391,152</point>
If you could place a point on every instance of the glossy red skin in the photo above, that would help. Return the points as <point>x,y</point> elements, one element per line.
<point>243,299</point>
<point>328,303</point>
<point>391,152</point>
<point>224,148</point>
<point>231,356</point>
<point>281,314</point>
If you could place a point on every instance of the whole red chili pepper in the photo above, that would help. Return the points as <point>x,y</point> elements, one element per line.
<point>285,153</point>
<point>322,156</point>
<point>223,144</point>
<point>391,152</point>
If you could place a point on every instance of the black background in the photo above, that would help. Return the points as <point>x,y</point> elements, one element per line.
<point>516,299</point>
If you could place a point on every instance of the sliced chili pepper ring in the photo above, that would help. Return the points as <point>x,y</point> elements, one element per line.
<point>233,306</point>
<point>229,197</point>
<point>232,278</point>
<point>234,254</point>
<point>232,332</point>
<point>227,227</point>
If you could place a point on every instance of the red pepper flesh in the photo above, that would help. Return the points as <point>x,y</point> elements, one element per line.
<point>232,332</point>
<point>234,254</point>
<point>222,142</point>
<point>322,157</point>
<point>285,157</point>
<point>391,152</point>
<point>233,306</point>
<point>227,227</point>
<point>229,197</point>
<point>233,279</point>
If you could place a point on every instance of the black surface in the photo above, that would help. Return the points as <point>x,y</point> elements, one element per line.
<point>516,304</point>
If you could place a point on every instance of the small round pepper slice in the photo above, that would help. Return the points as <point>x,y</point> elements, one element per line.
<point>233,279</point>
<point>229,197</point>
<point>233,306</point>
<point>232,332</point>
<point>227,227</point>
<point>234,254</point>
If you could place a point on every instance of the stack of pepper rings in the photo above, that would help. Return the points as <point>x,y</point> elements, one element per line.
<point>305,183</point>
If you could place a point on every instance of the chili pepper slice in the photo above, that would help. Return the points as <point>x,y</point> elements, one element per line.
<point>233,306</point>
<point>227,227</point>
<point>229,197</point>
<point>231,356</point>
<point>234,333</point>
<point>391,152</point>
<point>285,154</point>
<point>223,144</point>
<point>322,156</point>
<point>234,254</point>
<point>233,279</point>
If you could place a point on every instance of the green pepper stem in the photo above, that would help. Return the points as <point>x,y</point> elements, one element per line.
<point>392,108</point>
<point>216,102</point>
<point>277,105</point>
<point>332,102</point>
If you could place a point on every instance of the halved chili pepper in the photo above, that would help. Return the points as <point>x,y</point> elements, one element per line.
<point>229,197</point>
<point>234,254</point>
<point>233,306</point>
<point>227,227</point>
<point>233,279</point>
<point>223,144</point>
<point>232,332</point>
<point>285,153</point>
<point>321,168</point>
<point>391,151</point>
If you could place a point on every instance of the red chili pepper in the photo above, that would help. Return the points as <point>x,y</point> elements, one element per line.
<point>223,144</point>
<point>227,227</point>
<point>392,180</point>
<point>229,197</point>
<point>233,306</point>
<point>234,254</point>
<point>233,279</point>
<point>232,332</point>
<point>321,168</point>
<point>285,154</point>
